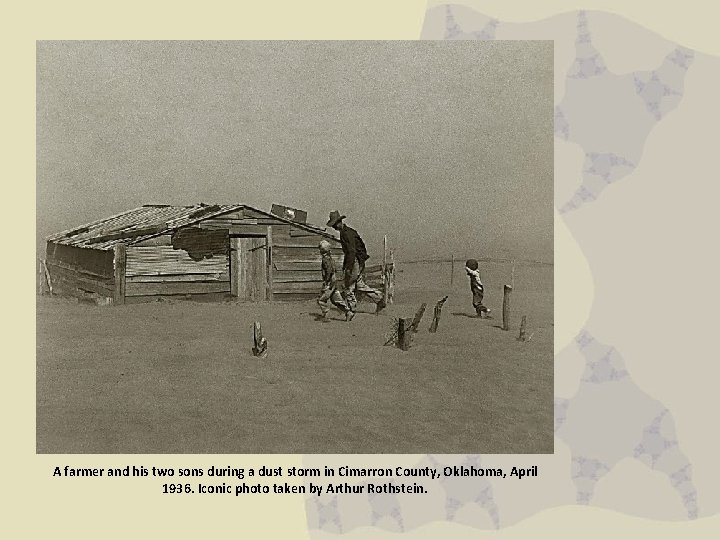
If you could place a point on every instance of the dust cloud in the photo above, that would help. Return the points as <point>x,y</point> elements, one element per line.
<point>445,146</point>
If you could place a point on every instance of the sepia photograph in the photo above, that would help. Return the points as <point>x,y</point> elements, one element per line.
<point>285,247</point>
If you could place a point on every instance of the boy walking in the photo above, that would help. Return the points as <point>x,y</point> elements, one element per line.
<point>476,287</point>
<point>329,292</point>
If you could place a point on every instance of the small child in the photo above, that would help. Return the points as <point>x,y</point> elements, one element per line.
<point>476,286</point>
<point>330,292</point>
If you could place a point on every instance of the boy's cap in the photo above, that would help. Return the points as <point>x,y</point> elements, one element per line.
<point>472,264</point>
<point>324,245</point>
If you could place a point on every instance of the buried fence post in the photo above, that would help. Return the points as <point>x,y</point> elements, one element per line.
<point>506,307</point>
<point>436,315</point>
<point>260,344</point>
<point>418,317</point>
<point>522,337</point>
<point>404,334</point>
<point>404,329</point>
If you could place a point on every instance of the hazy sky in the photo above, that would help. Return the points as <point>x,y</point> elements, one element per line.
<point>445,146</point>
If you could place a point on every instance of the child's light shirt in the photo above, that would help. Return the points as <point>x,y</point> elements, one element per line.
<point>475,282</point>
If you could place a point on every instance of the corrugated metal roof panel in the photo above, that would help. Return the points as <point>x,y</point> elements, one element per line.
<point>151,220</point>
<point>137,225</point>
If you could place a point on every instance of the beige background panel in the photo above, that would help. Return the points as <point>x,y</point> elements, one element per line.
<point>566,522</point>
<point>569,158</point>
<point>625,489</point>
<point>691,23</point>
<point>573,291</point>
<point>611,34</point>
<point>665,257</point>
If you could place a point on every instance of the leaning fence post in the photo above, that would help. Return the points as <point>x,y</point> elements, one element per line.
<point>507,290</point>
<point>46,274</point>
<point>521,337</point>
<point>452,269</point>
<point>260,344</point>
<point>418,317</point>
<point>436,315</point>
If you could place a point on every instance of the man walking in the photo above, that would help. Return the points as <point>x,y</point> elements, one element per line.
<point>355,255</point>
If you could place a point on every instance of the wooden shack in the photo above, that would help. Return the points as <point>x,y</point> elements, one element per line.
<point>200,251</point>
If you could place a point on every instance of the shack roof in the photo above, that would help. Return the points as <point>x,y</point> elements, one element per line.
<point>154,220</point>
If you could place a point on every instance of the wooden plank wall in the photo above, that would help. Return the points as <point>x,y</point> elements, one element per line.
<point>243,221</point>
<point>155,268</point>
<point>295,273</point>
<point>80,272</point>
<point>297,263</point>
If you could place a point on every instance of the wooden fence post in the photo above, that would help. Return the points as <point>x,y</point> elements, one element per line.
<point>385,277</point>
<point>119,256</point>
<point>260,344</point>
<point>391,279</point>
<point>452,269</point>
<point>521,337</point>
<point>507,290</point>
<point>404,335</point>
<point>436,315</point>
<point>46,276</point>
<point>418,317</point>
<point>270,286</point>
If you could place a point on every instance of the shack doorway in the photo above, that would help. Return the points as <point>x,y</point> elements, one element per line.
<point>249,267</point>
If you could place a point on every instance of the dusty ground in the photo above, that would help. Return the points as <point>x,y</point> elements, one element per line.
<point>179,377</point>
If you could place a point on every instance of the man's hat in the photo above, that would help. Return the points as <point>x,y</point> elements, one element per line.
<point>334,218</point>
<point>472,264</point>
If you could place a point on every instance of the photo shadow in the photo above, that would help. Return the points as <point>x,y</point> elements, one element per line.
<point>462,314</point>
<point>319,318</point>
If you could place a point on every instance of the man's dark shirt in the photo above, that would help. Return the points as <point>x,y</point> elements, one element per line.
<point>353,247</point>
